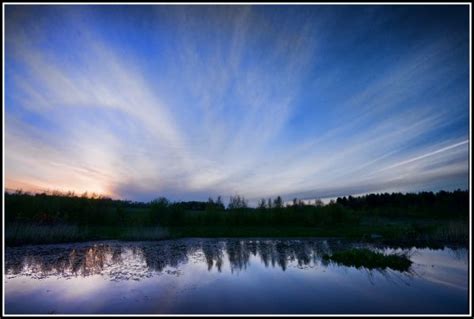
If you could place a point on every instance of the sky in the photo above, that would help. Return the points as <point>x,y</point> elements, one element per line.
<point>187,102</point>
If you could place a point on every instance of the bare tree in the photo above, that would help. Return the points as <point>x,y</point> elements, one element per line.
<point>278,202</point>
<point>236,202</point>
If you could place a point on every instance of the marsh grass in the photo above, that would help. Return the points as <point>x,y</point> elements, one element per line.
<point>426,233</point>
<point>453,231</point>
<point>22,234</point>
<point>18,234</point>
<point>371,260</point>
<point>403,234</point>
<point>147,233</point>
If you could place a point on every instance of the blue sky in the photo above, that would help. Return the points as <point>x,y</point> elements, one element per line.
<point>188,102</point>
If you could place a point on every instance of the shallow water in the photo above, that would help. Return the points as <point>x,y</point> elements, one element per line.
<point>228,276</point>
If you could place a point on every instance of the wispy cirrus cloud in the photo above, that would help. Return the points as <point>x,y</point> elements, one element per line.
<point>189,102</point>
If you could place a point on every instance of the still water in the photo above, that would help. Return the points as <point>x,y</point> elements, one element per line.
<point>226,276</point>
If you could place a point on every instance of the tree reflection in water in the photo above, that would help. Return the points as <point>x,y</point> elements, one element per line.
<point>135,260</point>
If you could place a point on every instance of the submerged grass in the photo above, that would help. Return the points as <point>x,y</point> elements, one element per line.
<point>370,259</point>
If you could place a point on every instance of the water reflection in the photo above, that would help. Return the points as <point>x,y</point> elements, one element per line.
<point>135,260</point>
<point>237,275</point>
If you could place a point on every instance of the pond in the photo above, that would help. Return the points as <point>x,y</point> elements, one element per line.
<point>228,276</point>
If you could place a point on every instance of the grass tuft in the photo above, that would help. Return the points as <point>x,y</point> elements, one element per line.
<point>371,260</point>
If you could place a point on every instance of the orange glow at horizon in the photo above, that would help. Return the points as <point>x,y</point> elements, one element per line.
<point>78,190</point>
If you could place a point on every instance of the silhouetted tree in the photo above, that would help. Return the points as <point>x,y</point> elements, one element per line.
<point>159,211</point>
<point>269,203</point>
<point>318,203</point>
<point>161,202</point>
<point>278,202</point>
<point>210,206</point>
<point>219,203</point>
<point>237,202</point>
<point>261,204</point>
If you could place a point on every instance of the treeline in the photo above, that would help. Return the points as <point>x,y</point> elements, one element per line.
<point>239,214</point>
<point>66,208</point>
<point>424,204</point>
<point>60,208</point>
